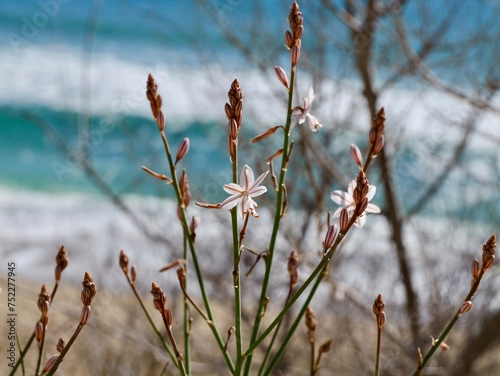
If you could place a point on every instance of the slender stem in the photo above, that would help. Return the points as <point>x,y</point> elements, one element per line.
<point>178,355</point>
<point>199,275</point>
<point>151,322</point>
<point>450,326</point>
<point>275,335</point>
<point>236,271</point>
<point>32,338</point>
<point>276,225</point>
<point>40,351</point>
<point>377,359</point>
<point>187,323</point>
<point>65,350</point>
<point>312,365</point>
<point>291,330</point>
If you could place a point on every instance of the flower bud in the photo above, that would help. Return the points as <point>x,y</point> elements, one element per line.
<point>133,273</point>
<point>38,331</point>
<point>280,72</point>
<point>381,320</point>
<point>169,316</point>
<point>356,155</point>
<point>330,237</point>
<point>466,307</point>
<point>182,149</point>
<point>288,39</point>
<point>475,269</point>
<point>295,54</point>
<point>160,121</point>
<point>60,345</point>
<point>50,363</point>
<point>379,145</point>
<point>344,220</point>
<point>85,315</point>
<point>123,260</point>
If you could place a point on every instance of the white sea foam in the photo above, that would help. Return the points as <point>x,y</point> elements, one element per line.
<point>59,78</point>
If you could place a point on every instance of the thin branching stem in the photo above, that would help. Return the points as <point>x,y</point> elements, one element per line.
<point>187,322</point>
<point>377,357</point>
<point>199,275</point>
<point>276,224</point>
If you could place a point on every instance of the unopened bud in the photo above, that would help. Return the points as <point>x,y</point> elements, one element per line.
<point>379,145</point>
<point>475,269</point>
<point>489,262</point>
<point>38,331</point>
<point>50,363</point>
<point>330,237</point>
<point>133,273</point>
<point>89,289</point>
<point>344,220</point>
<point>361,207</point>
<point>182,150</point>
<point>85,315</point>
<point>123,260</point>
<point>280,72</point>
<point>466,307</point>
<point>373,136</point>
<point>356,155</point>
<point>295,54</point>
<point>60,345</point>
<point>298,32</point>
<point>233,129</point>
<point>228,110</point>
<point>311,321</point>
<point>288,39</point>
<point>160,121</point>
<point>265,135</point>
<point>381,320</point>
<point>325,347</point>
<point>444,346</point>
<point>168,316</point>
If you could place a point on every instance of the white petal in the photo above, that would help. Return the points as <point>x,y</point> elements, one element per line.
<point>259,180</point>
<point>337,212</point>
<point>372,208</point>
<point>233,188</point>
<point>341,198</point>
<point>371,192</point>
<point>257,191</point>
<point>351,186</point>
<point>230,202</point>
<point>314,124</point>
<point>360,222</point>
<point>246,177</point>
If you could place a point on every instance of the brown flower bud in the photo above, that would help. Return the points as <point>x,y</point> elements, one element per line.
<point>295,54</point>
<point>160,121</point>
<point>379,145</point>
<point>233,129</point>
<point>50,363</point>
<point>381,320</point>
<point>344,220</point>
<point>325,347</point>
<point>289,39</point>
<point>184,187</point>
<point>159,299</point>
<point>60,345</point>
<point>123,260</point>
<point>62,258</point>
<point>182,150</point>
<point>356,155</point>
<point>38,331</point>
<point>89,289</point>
<point>169,317</point>
<point>281,74</point>
<point>489,250</point>
<point>475,269</point>
<point>466,307</point>
<point>133,273</point>
<point>43,300</point>
<point>378,305</point>
<point>330,237</point>
<point>85,315</point>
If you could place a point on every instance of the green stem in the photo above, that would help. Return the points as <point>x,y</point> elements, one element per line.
<point>151,322</point>
<point>236,271</point>
<point>449,327</point>
<point>65,350</point>
<point>276,225</point>
<point>187,324</point>
<point>192,248</point>
<point>291,330</point>
<point>275,335</point>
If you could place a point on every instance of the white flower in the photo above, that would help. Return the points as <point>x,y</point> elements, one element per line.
<point>242,194</point>
<point>346,200</point>
<point>301,114</point>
